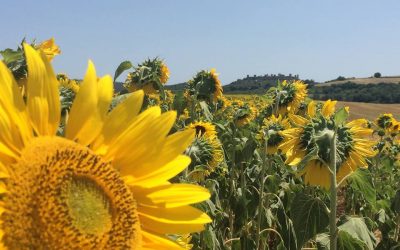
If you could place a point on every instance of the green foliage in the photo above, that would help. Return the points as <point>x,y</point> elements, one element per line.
<point>310,217</point>
<point>352,92</point>
<point>125,65</point>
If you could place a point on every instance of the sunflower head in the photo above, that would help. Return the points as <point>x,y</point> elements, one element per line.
<point>205,151</point>
<point>149,76</point>
<point>49,48</point>
<point>206,86</point>
<point>80,191</point>
<point>386,123</point>
<point>244,114</point>
<point>312,137</point>
<point>288,96</point>
<point>270,132</point>
<point>205,129</point>
<point>15,59</point>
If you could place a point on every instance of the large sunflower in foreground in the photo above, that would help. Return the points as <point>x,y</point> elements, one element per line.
<point>102,186</point>
<point>315,133</point>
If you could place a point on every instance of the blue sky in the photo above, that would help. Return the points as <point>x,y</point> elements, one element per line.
<point>318,39</point>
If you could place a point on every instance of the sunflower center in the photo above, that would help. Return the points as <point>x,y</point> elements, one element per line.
<point>63,196</point>
<point>89,207</point>
<point>200,130</point>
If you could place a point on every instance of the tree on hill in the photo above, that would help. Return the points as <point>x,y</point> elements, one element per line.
<point>377,75</point>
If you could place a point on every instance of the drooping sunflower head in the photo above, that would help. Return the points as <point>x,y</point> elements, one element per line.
<point>105,185</point>
<point>270,135</point>
<point>206,86</point>
<point>205,150</point>
<point>312,136</point>
<point>288,96</point>
<point>149,76</point>
<point>387,124</point>
<point>244,114</point>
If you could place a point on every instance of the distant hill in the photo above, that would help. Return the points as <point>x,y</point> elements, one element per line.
<point>248,85</point>
<point>366,80</point>
<point>370,90</point>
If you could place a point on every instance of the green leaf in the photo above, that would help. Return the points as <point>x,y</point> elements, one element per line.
<point>341,116</point>
<point>206,110</point>
<point>10,55</point>
<point>348,242</point>
<point>344,242</point>
<point>396,202</point>
<point>356,227</point>
<point>286,229</point>
<point>361,181</point>
<point>310,217</point>
<point>125,65</point>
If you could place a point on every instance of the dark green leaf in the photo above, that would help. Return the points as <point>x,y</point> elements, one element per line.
<point>310,217</point>
<point>361,181</point>
<point>121,68</point>
<point>356,227</point>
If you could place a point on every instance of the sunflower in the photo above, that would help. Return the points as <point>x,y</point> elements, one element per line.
<point>387,123</point>
<point>270,129</point>
<point>49,48</point>
<point>164,73</point>
<point>217,83</point>
<point>149,76</point>
<point>102,186</point>
<point>314,133</point>
<point>288,96</point>
<point>244,114</point>
<point>205,150</point>
<point>205,85</point>
<point>67,83</point>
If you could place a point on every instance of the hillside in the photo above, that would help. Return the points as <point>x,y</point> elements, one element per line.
<point>366,80</point>
<point>368,90</point>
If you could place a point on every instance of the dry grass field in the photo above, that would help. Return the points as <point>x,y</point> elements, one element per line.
<point>370,110</point>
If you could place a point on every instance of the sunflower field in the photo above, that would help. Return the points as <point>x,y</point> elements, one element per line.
<point>83,166</point>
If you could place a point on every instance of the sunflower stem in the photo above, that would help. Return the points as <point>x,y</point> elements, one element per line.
<point>333,195</point>
<point>260,202</point>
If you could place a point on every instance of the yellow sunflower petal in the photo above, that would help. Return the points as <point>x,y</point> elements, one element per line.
<point>148,143</point>
<point>43,100</point>
<point>170,195</point>
<point>312,109</point>
<point>163,174</point>
<point>174,146</point>
<point>116,121</point>
<point>298,120</point>
<point>89,108</point>
<point>329,108</point>
<point>177,220</point>
<point>317,174</point>
<point>14,106</point>
<point>155,242</point>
